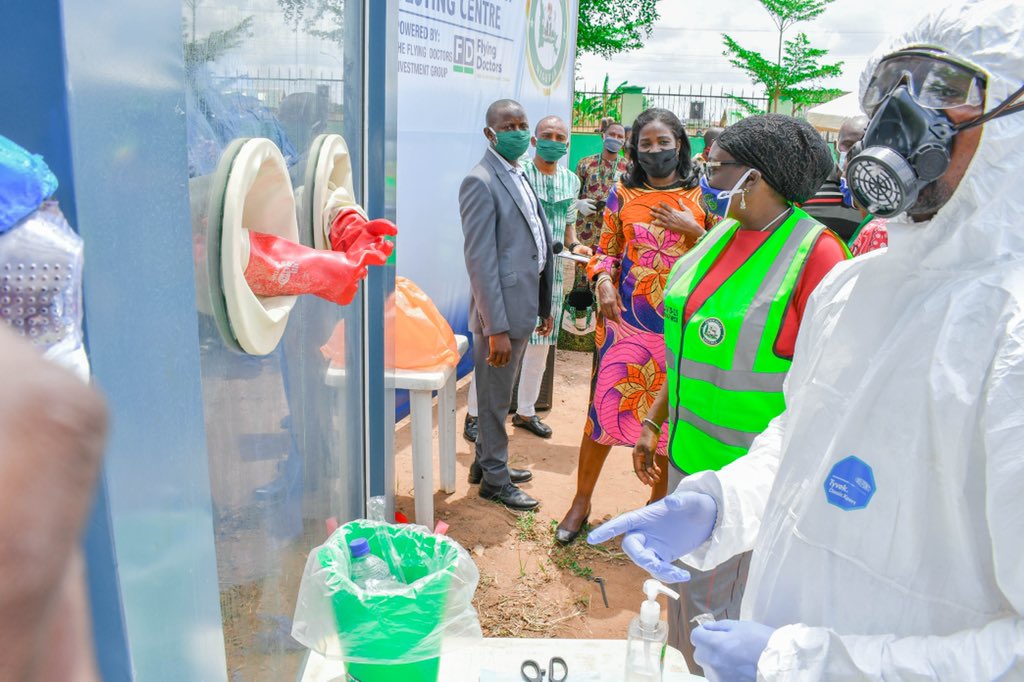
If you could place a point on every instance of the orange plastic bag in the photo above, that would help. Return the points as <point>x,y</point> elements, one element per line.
<point>423,338</point>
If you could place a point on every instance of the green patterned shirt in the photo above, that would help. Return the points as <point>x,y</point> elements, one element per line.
<point>557,194</point>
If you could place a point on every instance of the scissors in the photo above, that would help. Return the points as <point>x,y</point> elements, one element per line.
<point>532,672</point>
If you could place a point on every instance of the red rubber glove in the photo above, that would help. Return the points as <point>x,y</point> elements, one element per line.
<point>361,239</point>
<point>279,267</point>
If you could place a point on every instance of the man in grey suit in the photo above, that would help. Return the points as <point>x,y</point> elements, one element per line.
<point>510,264</point>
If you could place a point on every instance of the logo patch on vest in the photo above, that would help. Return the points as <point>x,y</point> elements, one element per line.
<point>712,331</point>
<point>850,485</point>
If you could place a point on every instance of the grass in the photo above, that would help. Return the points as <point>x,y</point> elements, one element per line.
<point>526,526</point>
<point>520,609</point>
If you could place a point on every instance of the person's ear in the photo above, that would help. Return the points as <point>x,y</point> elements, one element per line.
<point>489,134</point>
<point>753,178</point>
<point>533,141</point>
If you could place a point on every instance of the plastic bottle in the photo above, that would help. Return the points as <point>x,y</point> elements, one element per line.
<point>368,571</point>
<point>647,636</point>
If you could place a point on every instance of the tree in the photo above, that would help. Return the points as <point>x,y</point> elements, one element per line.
<point>607,27</point>
<point>209,49</point>
<point>324,19</point>
<point>593,108</point>
<point>797,68</point>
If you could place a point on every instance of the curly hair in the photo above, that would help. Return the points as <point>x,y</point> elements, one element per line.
<point>636,176</point>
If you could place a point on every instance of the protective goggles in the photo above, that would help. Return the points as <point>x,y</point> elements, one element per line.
<point>934,81</point>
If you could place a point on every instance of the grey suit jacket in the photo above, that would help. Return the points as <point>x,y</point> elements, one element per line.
<point>501,256</point>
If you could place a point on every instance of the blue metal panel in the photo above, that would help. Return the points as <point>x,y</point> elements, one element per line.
<point>124,79</point>
<point>381,122</point>
<point>109,628</point>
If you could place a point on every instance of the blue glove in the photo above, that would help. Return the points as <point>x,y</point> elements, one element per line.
<point>660,533</point>
<point>728,650</point>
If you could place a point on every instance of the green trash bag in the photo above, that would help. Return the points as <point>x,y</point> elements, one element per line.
<point>388,634</point>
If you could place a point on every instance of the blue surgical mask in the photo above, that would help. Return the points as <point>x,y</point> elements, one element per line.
<point>717,200</point>
<point>847,194</point>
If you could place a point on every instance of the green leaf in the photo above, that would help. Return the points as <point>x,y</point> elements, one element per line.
<point>607,27</point>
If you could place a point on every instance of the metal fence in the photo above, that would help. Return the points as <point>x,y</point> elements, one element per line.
<point>697,106</point>
<point>280,87</point>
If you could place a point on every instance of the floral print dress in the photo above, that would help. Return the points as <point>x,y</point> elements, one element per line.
<point>630,364</point>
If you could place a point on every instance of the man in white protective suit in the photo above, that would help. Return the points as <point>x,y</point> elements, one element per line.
<point>885,506</point>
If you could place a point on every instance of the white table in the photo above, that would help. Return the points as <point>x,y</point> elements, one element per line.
<point>421,386</point>
<point>603,659</point>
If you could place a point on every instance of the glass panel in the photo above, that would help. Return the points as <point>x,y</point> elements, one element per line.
<point>284,430</point>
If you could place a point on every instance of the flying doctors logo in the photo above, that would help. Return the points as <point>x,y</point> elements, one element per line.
<point>547,38</point>
<point>850,485</point>
<point>712,331</point>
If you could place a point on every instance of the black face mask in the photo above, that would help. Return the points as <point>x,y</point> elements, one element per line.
<point>906,147</point>
<point>659,164</point>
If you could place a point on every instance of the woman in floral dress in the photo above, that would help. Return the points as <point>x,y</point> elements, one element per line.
<point>658,217</point>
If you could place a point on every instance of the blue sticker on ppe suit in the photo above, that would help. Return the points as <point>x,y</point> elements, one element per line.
<point>850,484</point>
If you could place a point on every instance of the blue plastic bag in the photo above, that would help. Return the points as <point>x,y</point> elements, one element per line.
<point>25,181</point>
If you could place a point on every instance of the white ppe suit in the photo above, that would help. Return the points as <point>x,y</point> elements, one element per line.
<point>910,360</point>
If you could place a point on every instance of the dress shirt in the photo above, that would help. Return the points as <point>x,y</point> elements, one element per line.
<point>530,203</point>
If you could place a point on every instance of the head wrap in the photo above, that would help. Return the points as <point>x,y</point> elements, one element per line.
<point>791,155</point>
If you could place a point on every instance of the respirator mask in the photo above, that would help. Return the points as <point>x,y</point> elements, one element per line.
<point>908,143</point>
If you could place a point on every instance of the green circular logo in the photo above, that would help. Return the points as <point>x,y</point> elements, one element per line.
<point>711,202</point>
<point>547,38</point>
<point>712,331</point>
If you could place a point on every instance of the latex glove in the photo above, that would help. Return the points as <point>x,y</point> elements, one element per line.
<point>728,650</point>
<point>586,206</point>
<point>279,267</point>
<point>660,533</point>
<point>362,240</point>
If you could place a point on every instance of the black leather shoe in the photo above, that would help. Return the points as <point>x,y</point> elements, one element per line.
<point>476,474</point>
<point>564,536</point>
<point>470,430</point>
<point>532,424</point>
<point>510,496</point>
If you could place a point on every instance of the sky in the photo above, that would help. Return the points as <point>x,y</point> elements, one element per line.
<point>686,47</point>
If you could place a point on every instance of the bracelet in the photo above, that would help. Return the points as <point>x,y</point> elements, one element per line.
<point>572,246</point>
<point>650,422</point>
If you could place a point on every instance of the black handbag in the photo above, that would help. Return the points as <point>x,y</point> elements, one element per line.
<point>580,298</point>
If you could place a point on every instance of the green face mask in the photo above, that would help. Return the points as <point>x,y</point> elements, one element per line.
<point>549,150</point>
<point>512,143</point>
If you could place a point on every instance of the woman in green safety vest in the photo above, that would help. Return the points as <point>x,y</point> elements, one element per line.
<point>733,306</point>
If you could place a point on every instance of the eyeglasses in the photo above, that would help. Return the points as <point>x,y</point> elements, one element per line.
<point>712,165</point>
<point>934,80</point>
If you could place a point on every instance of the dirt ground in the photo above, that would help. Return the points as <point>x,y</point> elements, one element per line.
<point>529,586</point>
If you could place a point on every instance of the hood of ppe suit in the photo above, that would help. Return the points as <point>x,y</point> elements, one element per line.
<point>981,222</point>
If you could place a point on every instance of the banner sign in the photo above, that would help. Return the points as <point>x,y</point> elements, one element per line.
<point>455,57</point>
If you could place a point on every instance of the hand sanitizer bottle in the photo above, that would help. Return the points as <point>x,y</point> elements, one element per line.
<point>645,644</point>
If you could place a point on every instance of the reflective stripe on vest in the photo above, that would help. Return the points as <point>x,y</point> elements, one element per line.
<point>726,385</point>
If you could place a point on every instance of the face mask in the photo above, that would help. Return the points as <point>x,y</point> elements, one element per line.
<point>718,200</point>
<point>659,164</point>
<point>612,145</point>
<point>842,160</point>
<point>511,144</point>
<point>550,150</point>
<point>906,147</point>
<point>847,194</point>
